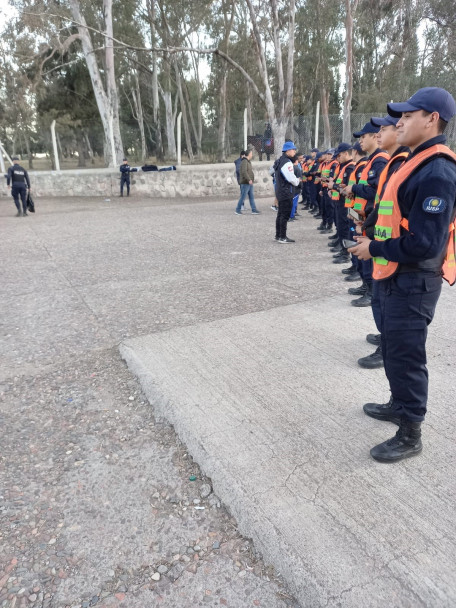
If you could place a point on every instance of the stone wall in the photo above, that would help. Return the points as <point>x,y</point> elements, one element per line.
<point>187,181</point>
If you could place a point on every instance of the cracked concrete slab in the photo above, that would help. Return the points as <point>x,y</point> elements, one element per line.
<point>269,404</point>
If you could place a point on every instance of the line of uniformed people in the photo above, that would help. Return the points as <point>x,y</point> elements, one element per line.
<point>394,194</point>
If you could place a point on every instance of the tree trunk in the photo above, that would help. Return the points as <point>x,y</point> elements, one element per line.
<point>188,138</point>
<point>170,138</point>
<point>136,94</point>
<point>350,9</point>
<point>29,152</point>
<point>325,116</point>
<point>221,139</point>
<point>81,149</point>
<point>155,98</point>
<point>107,101</point>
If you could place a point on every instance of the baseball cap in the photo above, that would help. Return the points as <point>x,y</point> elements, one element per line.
<point>315,150</point>
<point>368,128</point>
<point>357,146</point>
<point>15,158</point>
<point>430,99</point>
<point>386,121</point>
<point>125,158</point>
<point>288,145</point>
<point>342,147</point>
<point>319,155</point>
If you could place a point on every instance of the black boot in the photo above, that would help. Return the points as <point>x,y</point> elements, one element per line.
<point>373,361</point>
<point>365,300</point>
<point>351,270</point>
<point>383,411</point>
<point>375,339</point>
<point>318,216</point>
<point>405,444</point>
<point>355,276</point>
<point>328,229</point>
<point>322,226</point>
<point>343,258</point>
<point>333,237</point>
<point>336,249</point>
<point>357,291</point>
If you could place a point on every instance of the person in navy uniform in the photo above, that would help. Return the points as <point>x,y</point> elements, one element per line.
<point>421,194</point>
<point>125,171</point>
<point>376,161</point>
<point>19,182</point>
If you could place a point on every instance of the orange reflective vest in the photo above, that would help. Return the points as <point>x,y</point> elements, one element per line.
<point>338,176</point>
<point>360,203</point>
<point>349,202</point>
<point>329,165</point>
<point>310,165</point>
<point>384,174</point>
<point>390,220</point>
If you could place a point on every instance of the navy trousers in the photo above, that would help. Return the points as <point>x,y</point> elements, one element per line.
<point>124,179</point>
<point>19,191</point>
<point>403,307</point>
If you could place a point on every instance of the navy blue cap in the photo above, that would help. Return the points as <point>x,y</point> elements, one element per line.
<point>368,128</point>
<point>342,147</point>
<point>386,121</point>
<point>357,146</point>
<point>315,150</point>
<point>319,155</point>
<point>15,158</point>
<point>429,99</point>
<point>288,145</point>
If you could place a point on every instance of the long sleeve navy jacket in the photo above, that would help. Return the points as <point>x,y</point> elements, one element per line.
<point>427,232</point>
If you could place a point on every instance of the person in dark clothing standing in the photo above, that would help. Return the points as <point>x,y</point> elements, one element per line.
<point>18,180</point>
<point>125,171</point>
<point>286,184</point>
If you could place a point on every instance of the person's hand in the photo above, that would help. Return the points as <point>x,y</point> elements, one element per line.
<point>362,248</point>
<point>347,191</point>
<point>331,184</point>
<point>250,182</point>
<point>358,229</point>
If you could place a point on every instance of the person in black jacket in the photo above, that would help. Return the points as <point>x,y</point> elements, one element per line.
<point>286,183</point>
<point>19,182</point>
<point>125,171</point>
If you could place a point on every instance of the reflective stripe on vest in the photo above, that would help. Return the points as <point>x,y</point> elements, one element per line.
<point>390,220</point>
<point>329,165</point>
<point>349,202</point>
<point>338,177</point>
<point>360,203</point>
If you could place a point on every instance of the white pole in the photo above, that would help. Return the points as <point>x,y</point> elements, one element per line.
<point>113,147</point>
<point>179,139</point>
<point>245,129</point>
<point>2,162</point>
<point>54,145</point>
<point>317,121</point>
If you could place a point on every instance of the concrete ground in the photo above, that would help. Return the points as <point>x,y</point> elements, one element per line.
<point>249,349</point>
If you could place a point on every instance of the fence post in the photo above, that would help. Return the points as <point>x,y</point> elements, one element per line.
<point>317,121</point>
<point>179,139</point>
<point>2,162</point>
<point>245,129</point>
<point>54,145</point>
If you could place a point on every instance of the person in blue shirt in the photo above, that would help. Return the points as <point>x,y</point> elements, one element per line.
<point>407,298</point>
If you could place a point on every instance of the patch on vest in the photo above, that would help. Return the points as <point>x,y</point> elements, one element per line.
<point>371,173</point>
<point>434,205</point>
